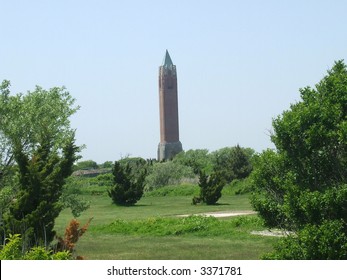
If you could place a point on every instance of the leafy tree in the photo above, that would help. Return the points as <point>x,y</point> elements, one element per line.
<point>167,173</point>
<point>302,186</point>
<point>74,202</point>
<point>128,188</point>
<point>327,241</point>
<point>198,160</point>
<point>86,164</point>
<point>37,153</point>
<point>137,165</point>
<point>41,179</point>
<point>106,164</point>
<point>211,187</point>
<point>233,162</point>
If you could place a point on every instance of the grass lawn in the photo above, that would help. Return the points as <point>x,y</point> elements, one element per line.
<point>151,230</point>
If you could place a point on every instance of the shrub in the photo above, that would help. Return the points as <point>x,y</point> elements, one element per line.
<point>13,248</point>
<point>72,234</point>
<point>167,173</point>
<point>13,251</point>
<point>198,160</point>
<point>211,187</point>
<point>86,164</point>
<point>232,162</point>
<point>37,253</point>
<point>302,185</point>
<point>176,190</point>
<point>128,187</point>
<point>327,241</point>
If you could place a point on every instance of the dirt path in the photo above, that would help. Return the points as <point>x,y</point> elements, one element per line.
<point>222,214</point>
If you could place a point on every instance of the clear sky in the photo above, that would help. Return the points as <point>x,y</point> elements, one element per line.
<point>239,64</point>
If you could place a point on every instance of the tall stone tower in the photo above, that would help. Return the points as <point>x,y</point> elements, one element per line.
<point>170,144</point>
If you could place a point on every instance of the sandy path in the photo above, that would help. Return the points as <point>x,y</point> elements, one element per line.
<point>222,214</point>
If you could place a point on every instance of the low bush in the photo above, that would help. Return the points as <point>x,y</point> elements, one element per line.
<point>238,187</point>
<point>211,187</point>
<point>315,242</point>
<point>128,186</point>
<point>13,251</point>
<point>177,190</point>
<point>73,232</point>
<point>168,173</point>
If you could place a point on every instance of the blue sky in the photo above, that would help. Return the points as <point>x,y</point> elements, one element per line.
<point>239,64</point>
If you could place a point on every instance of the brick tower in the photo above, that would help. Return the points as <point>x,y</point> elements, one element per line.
<point>170,144</point>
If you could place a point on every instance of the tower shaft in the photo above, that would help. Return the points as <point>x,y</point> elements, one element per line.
<point>169,144</point>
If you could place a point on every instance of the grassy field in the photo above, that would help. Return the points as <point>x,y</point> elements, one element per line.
<point>152,230</point>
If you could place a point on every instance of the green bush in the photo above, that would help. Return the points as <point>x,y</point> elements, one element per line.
<point>211,187</point>
<point>13,248</point>
<point>37,253</point>
<point>13,251</point>
<point>88,185</point>
<point>302,186</point>
<point>232,162</point>
<point>103,180</point>
<point>128,187</point>
<point>167,173</point>
<point>327,241</point>
<point>199,160</point>
<point>238,187</point>
<point>75,203</point>
<point>177,190</point>
<point>86,164</point>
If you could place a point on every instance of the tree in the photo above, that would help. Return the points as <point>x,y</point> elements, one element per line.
<point>106,164</point>
<point>162,174</point>
<point>86,164</point>
<point>198,160</point>
<point>37,153</point>
<point>211,187</point>
<point>303,185</point>
<point>233,162</point>
<point>128,188</point>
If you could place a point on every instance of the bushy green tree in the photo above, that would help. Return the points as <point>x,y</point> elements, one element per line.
<point>37,153</point>
<point>12,250</point>
<point>137,165</point>
<point>85,164</point>
<point>211,187</point>
<point>167,173</point>
<point>199,160</point>
<point>232,162</point>
<point>302,185</point>
<point>41,180</point>
<point>128,187</point>
<point>327,241</point>
<point>106,164</point>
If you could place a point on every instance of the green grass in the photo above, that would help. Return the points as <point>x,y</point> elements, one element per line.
<point>103,211</point>
<point>123,247</point>
<point>152,230</point>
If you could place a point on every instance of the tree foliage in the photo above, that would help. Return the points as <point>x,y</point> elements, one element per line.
<point>162,174</point>
<point>128,186</point>
<point>85,164</point>
<point>199,160</point>
<point>233,162</point>
<point>229,162</point>
<point>302,186</point>
<point>37,153</point>
<point>211,187</point>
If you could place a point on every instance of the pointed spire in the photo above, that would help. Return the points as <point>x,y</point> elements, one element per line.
<point>167,60</point>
